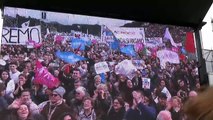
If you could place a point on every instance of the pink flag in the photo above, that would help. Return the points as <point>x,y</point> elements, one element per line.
<point>33,43</point>
<point>139,46</point>
<point>58,39</point>
<point>43,76</point>
<point>175,49</point>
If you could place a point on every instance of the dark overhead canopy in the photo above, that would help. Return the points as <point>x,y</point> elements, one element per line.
<point>176,12</point>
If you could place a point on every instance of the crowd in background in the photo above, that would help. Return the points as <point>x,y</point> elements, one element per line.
<point>83,95</point>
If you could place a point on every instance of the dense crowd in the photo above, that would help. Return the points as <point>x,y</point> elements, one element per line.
<point>84,95</point>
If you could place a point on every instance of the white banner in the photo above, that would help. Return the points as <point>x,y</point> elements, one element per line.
<point>20,36</point>
<point>153,42</point>
<point>167,56</point>
<point>101,67</point>
<point>128,35</point>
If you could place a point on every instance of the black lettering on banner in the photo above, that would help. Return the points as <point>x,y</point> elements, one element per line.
<point>20,32</point>
<point>12,31</point>
<point>38,33</point>
<point>4,34</point>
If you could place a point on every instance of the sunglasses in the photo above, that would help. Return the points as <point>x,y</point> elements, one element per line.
<point>54,95</point>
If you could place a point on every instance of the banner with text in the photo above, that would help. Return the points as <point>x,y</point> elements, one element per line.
<point>20,36</point>
<point>101,67</point>
<point>128,35</point>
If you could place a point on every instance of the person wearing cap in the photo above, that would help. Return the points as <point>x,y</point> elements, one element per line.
<point>56,105</point>
<point>162,102</point>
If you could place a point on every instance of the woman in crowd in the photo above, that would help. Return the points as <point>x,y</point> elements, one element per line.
<point>20,86</point>
<point>117,110</point>
<point>87,113</point>
<point>22,113</point>
<point>10,85</point>
<point>176,108</point>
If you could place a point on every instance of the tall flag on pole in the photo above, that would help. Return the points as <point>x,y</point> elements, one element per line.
<point>189,44</point>
<point>108,36</point>
<point>168,36</point>
<point>69,57</point>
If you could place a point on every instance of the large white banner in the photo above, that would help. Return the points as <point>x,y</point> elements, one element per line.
<point>20,36</point>
<point>128,35</point>
<point>167,56</point>
<point>101,67</point>
<point>126,68</point>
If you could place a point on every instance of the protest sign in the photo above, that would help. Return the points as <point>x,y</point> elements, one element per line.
<point>166,91</point>
<point>126,68</point>
<point>128,35</point>
<point>146,83</point>
<point>101,67</point>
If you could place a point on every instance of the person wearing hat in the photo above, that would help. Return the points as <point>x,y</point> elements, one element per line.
<point>56,105</point>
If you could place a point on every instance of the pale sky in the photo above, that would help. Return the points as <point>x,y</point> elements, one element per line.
<point>66,19</point>
<point>206,32</point>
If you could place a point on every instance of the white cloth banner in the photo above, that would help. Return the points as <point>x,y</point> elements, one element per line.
<point>128,35</point>
<point>153,42</point>
<point>20,36</point>
<point>126,68</point>
<point>167,56</point>
<point>101,67</point>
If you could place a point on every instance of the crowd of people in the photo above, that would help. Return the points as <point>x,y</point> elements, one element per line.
<point>84,95</point>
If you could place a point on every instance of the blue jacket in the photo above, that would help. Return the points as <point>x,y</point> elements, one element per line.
<point>142,112</point>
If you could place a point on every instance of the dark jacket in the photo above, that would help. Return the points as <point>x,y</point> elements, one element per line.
<point>59,109</point>
<point>142,112</point>
<point>112,115</point>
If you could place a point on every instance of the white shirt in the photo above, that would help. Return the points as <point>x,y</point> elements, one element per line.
<point>14,76</point>
<point>10,88</point>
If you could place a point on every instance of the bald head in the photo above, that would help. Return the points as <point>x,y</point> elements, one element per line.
<point>164,115</point>
<point>192,94</point>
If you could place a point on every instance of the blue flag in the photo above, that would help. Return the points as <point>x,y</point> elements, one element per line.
<point>129,50</point>
<point>114,43</point>
<point>78,44</point>
<point>103,79</point>
<point>69,57</point>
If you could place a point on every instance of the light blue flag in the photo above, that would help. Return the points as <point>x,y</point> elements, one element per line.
<point>115,43</point>
<point>129,50</point>
<point>78,44</point>
<point>69,57</point>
